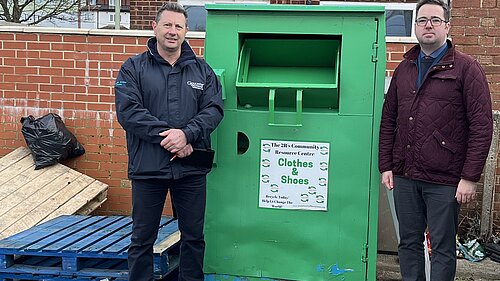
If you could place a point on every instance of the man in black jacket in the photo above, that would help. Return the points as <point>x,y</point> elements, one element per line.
<point>168,101</point>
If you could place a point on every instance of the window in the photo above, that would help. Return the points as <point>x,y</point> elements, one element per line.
<point>197,14</point>
<point>399,17</point>
<point>111,17</point>
<point>197,17</point>
<point>399,23</point>
<point>87,16</point>
<point>111,3</point>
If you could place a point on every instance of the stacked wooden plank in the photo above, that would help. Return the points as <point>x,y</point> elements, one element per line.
<point>82,248</point>
<point>29,197</point>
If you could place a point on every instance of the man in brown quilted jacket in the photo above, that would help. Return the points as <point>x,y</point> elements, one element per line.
<point>435,134</point>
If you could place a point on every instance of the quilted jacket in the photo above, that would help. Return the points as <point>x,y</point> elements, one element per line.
<point>440,132</point>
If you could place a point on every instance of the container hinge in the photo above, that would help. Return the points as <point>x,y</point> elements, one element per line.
<point>364,258</point>
<point>374,52</point>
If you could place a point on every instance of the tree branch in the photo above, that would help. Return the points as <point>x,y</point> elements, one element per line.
<point>61,8</point>
<point>28,11</point>
<point>5,15</point>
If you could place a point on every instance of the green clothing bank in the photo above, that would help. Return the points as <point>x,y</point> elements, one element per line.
<point>293,194</point>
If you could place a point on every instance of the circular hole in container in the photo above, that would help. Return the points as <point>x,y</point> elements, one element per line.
<point>243,143</point>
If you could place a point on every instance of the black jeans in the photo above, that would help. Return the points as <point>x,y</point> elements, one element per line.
<point>148,198</point>
<point>420,205</point>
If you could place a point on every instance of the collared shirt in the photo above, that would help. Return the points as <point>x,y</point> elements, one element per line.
<point>434,54</point>
<point>424,63</point>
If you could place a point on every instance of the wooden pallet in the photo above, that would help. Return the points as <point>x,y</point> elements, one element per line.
<point>29,197</point>
<point>82,248</point>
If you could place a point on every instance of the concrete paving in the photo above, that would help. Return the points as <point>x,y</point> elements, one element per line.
<point>486,270</point>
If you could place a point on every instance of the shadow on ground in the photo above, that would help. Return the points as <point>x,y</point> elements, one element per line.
<point>486,270</point>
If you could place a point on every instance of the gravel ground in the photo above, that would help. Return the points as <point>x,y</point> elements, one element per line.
<point>486,270</point>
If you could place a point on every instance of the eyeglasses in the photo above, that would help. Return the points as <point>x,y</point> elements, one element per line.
<point>435,21</point>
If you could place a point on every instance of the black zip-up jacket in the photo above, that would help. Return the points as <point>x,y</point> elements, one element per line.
<point>152,96</point>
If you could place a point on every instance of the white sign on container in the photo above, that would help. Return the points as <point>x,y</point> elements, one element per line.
<point>294,175</point>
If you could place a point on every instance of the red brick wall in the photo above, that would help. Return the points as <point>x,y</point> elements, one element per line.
<point>73,76</point>
<point>395,52</point>
<point>143,12</point>
<point>476,31</point>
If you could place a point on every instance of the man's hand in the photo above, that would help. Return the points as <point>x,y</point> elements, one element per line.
<point>185,151</point>
<point>174,140</point>
<point>388,180</point>
<point>466,191</point>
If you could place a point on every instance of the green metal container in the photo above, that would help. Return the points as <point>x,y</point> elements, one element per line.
<point>294,190</point>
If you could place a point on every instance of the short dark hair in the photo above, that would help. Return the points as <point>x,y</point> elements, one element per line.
<point>172,7</point>
<point>440,3</point>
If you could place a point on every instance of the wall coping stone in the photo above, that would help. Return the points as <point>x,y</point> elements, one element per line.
<point>86,31</point>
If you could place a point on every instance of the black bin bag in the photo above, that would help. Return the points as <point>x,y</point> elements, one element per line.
<point>49,140</point>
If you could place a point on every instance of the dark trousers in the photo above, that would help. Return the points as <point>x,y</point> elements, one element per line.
<point>420,205</point>
<point>148,198</point>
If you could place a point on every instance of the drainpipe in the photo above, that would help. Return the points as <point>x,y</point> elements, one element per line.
<point>117,14</point>
<point>79,14</point>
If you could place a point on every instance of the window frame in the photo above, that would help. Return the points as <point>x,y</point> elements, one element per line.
<point>203,2</point>
<point>387,6</point>
<point>201,34</point>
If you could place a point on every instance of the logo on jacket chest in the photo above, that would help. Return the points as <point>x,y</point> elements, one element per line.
<point>195,85</point>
